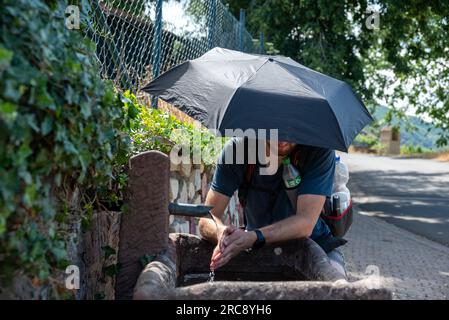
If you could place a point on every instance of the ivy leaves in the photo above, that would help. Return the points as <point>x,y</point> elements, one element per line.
<point>154,129</point>
<point>5,58</point>
<point>61,126</point>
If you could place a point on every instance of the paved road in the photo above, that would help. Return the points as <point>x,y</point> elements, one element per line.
<point>412,194</point>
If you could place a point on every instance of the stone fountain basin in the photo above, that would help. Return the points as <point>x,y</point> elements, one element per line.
<point>300,268</point>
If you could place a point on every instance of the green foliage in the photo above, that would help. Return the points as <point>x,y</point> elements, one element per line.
<point>317,34</point>
<point>111,270</point>
<point>412,45</point>
<point>146,259</point>
<point>409,51</point>
<point>413,130</point>
<point>409,150</point>
<point>135,7</point>
<point>268,47</point>
<point>63,132</point>
<point>153,129</point>
<point>366,140</point>
<point>61,129</point>
<point>99,296</point>
<point>108,251</point>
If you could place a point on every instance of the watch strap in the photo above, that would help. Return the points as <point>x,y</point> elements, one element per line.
<point>260,242</point>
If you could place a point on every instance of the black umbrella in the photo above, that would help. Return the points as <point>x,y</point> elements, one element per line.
<point>226,89</point>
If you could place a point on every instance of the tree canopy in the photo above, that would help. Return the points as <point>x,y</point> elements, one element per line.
<point>403,62</point>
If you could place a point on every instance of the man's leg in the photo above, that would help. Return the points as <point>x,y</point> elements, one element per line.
<point>337,260</point>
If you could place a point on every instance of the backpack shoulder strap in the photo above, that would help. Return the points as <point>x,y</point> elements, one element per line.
<point>249,169</point>
<point>244,187</point>
<point>298,159</point>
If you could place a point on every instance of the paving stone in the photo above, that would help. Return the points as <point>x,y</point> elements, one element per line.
<point>410,265</point>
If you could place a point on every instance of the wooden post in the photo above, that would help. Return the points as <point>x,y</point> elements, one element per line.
<point>144,229</point>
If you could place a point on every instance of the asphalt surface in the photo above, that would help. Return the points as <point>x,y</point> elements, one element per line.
<point>412,194</point>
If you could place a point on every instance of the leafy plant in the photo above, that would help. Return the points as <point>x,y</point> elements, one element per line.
<point>146,259</point>
<point>63,135</point>
<point>65,139</point>
<point>111,270</point>
<point>402,62</point>
<point>366,140</point>
<point>108,251</point>
<point>153,129</point>
<point>410,150</point>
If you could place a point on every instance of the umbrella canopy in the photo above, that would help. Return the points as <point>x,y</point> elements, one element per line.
<point>227,89</point>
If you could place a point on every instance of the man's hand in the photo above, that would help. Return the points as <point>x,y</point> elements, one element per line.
<point>232,242</point>
<point>222,232</point>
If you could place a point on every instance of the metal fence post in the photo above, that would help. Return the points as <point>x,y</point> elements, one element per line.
<point>241,29</point>
<point>211,18</point>
<point>110,45</point>
<point>132,39</point>
<point>262,43</point>
<point>157,46</point>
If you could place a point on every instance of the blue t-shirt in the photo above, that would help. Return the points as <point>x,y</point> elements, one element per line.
<point>264,207</point>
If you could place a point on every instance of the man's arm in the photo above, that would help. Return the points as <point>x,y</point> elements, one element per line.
<point>227,178</point>
<point>208,228</point>
<point>300,225</point>
<point>316,184</point>
<point>216,231</point>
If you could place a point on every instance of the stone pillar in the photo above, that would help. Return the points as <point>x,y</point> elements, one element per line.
<point>390,140</point>
<point>144,229</point>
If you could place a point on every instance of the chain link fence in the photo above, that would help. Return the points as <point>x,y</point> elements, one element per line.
<point>139,39</point>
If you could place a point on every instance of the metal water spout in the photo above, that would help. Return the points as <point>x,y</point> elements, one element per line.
<point>189,210</point>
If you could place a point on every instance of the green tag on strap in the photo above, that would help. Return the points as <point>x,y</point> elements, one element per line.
<point>292,183</point>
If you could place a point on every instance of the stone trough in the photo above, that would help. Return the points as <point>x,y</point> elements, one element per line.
<point>157,265</point>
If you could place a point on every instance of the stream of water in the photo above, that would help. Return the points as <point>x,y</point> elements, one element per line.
<point>211,277</point>
<point>212,273</point>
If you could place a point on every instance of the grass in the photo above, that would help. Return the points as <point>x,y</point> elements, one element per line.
<point>442,156</point>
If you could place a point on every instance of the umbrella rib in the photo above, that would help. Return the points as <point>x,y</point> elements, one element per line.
<point>235,90</point>
<point>297,80</point>
<point>332,110</point>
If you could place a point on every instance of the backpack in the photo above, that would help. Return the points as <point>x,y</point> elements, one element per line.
<point>339,225</point>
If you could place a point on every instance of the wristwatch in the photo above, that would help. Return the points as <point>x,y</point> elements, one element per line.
<point>260,242</point>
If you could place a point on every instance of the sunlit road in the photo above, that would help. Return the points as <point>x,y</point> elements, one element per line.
<point>412,194</point>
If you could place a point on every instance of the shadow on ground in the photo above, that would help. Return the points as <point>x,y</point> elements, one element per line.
<point>418,202</point>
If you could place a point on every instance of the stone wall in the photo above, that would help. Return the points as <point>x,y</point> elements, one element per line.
<point>95,250</point>
<point>189,183</point>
